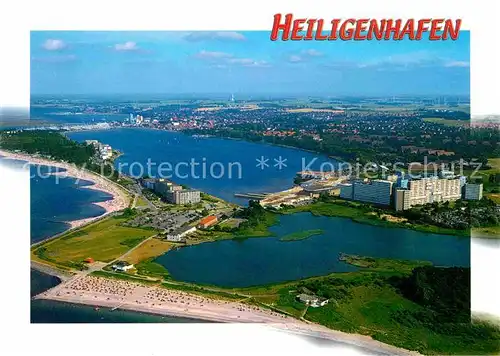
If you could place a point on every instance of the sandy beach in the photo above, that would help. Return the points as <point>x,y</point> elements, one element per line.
<point>111,293</point>
<point>119,199</point>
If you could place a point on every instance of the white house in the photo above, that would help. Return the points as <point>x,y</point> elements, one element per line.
<point>122,266</point>
<point>178,234</point>
<point>312,300</point>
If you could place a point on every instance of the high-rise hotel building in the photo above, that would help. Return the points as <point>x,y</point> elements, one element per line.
<point>428,190</point>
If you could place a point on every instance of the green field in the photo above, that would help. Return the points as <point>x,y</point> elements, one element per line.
<point>102,241</point>
<point>491,189</point>
<point>301,235</point>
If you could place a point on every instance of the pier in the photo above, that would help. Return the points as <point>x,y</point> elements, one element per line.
<point>256,196</point>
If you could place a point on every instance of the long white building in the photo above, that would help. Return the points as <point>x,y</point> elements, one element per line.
<point>429,190</point>
<point>376,191</point>
<point>184,196</point>
<point>433,189</point>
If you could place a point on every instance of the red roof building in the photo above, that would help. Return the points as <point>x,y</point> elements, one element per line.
<point>207,221</point>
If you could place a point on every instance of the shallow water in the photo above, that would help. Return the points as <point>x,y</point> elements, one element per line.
<point>256,261</point>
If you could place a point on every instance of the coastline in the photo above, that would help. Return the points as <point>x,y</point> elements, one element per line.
<point>118,294</point>
<point>119,200</point>
<point>312,209</point>
<point>51,271</point>
<point>336,158</point>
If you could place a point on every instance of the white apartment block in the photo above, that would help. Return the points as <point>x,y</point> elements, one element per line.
<point>430,190</point>
<point>377,191</point>
<point>185,196</point>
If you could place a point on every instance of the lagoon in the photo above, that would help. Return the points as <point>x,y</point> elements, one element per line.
<point>257,261</point>
<point>176,149</point>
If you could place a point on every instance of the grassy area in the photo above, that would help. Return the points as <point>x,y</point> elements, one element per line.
<point>102,241</point>
<point>143,258</point>
<point>354,211</point>
<point>230,223</point>
<point>210,292</point>
<point>384,264</point>
<point>494,196</point>
<point>261,229</point>
<point>151,269</point>
<point>495,165</point>
<point>491,189</point>
<point>447,122</point>
<point>245,230</point>
<point>141,202</point>
<point>487,232</point>
<point>376,308</point>
<point>210,198</point>
<point>152,248</point>
<point>367,302</point>
<point>122,276</point>
<point>301,235</point>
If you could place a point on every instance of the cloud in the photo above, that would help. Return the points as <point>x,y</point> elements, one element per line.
<point>304,56</point>
<point>418,58</point>
<point>219,66</point>
<point>402,61</point>
<point>457,64</point>
<point>54,59</point>
<point>312,53</point>
<point>343,65</point>
<point>295,59</point>
<point>248,62</point>
<point>53,45</point>
<point>223,60</point>
<point>214,36</point>
<point>127,46</point>
<point>212,55</point>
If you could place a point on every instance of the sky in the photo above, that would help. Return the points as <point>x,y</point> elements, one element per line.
<point>117,62</point>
